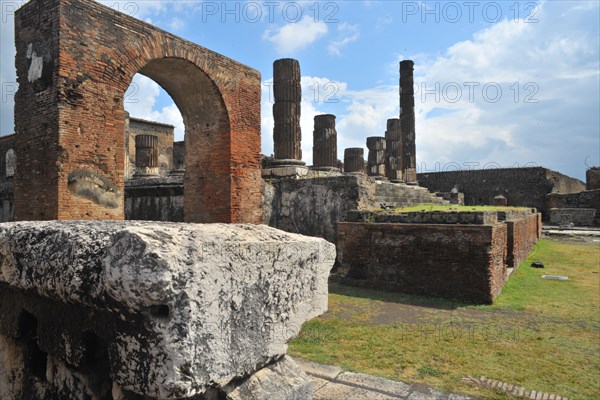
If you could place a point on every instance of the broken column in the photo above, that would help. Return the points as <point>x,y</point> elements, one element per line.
<point>592,178</point>
<point>146,156</point>
<point>354,159</point>
<point>407,121</point>
<point>287,135</point>
<point>128,310</point>
<point>325,143</point>
<point>376,160</point>
<point>393,150</point>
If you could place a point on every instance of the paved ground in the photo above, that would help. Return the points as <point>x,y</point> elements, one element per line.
<point>331,383</point>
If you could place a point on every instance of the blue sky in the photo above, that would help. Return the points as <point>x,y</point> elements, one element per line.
<point>499,83</point>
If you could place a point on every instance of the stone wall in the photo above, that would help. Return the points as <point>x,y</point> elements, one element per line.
<point>455,261</point>
<point>522,234</point>
<point>589,199</point>
<point>75,59</point>
<point>159,199</point>
<point>314,206</point>
<point>165,133</point>
<point>526,187</point>
<point>463,255</point>
<point>575,216</point>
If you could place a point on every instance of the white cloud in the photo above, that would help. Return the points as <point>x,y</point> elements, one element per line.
<point>347,34</point>
<point>176,24</point>
<point>548,74</point>
<point>295,36</point>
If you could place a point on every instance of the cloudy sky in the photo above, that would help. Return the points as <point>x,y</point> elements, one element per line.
<point>498,84</point>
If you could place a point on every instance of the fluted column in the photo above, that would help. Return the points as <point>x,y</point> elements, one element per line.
<point>287,135</point>
<point>376,160</point>
<point>393,150</point>
<point>146,156</point>
<point>407,120</point>
<point>354,159</point>
<point>325,142</point>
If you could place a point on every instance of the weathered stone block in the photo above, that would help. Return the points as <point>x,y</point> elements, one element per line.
<point>181,308</point>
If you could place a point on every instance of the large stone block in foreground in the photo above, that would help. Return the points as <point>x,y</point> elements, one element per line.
<point>164,310</point>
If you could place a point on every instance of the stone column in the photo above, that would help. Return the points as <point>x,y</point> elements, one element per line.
<point>325,143</point>
<point>286,112</point>
<point>178,158</point>
<point>407,121</point>
<point>146,156</point>
<point>354,159</point>
<point>376,161</point>
<point>393,150</point>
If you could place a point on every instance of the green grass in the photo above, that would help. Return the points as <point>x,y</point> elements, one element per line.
<point>449,208</point>
<point>540,334</point>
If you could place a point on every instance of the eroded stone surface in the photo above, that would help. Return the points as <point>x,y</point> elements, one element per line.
<point>282,380</point>
<point>182,307</point>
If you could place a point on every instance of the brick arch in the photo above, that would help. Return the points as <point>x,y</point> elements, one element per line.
<point>85,56</point>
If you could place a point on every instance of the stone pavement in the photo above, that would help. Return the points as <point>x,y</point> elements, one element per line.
<point>332,383</point>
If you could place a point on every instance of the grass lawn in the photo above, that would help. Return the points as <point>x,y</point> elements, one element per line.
<point>539,334</point>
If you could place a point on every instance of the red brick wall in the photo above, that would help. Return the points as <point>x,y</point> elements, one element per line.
<point>75,122</point>
<point>455,261</point>
<point>523,234</point>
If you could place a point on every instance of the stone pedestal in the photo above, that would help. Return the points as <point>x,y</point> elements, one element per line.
<point>354,159</point>
<point>287,90</point>
<point>376,159</point>
<point>407,121</point>
<point>146,156</point>
<point>325,143</point>
<point>393,150</point>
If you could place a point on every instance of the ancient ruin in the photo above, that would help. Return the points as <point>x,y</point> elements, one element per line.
<point>325,143</point>
<point>156,310</point>
<point>219,100</point>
